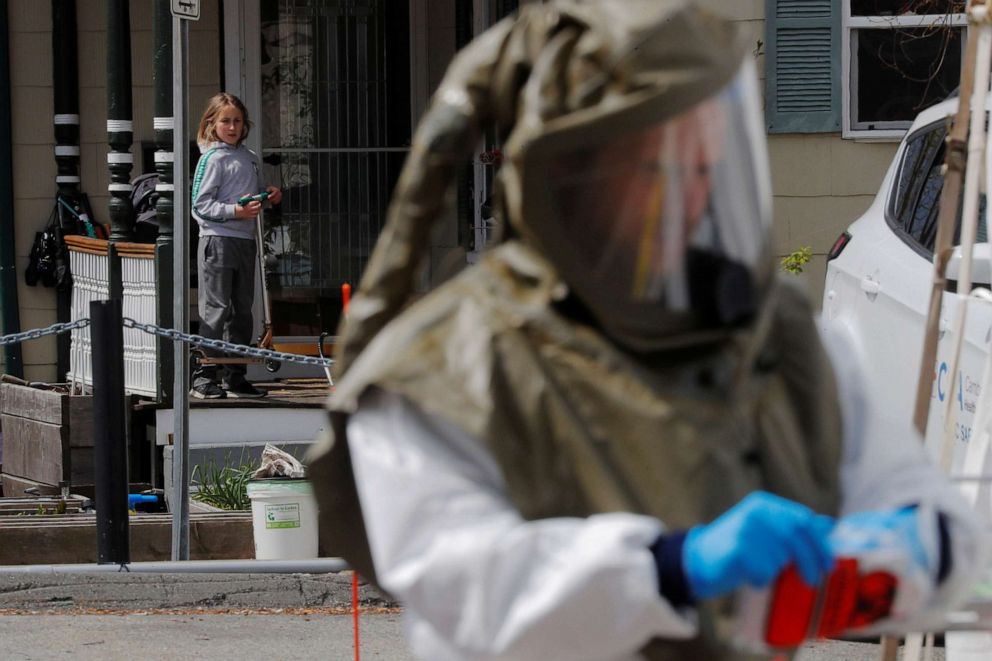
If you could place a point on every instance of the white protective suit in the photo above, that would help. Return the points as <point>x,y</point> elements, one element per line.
<point>480,582</point>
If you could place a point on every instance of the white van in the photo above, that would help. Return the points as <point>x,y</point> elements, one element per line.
<point>879,278</point>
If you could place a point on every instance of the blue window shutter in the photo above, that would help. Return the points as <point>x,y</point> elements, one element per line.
<point>802,66</point>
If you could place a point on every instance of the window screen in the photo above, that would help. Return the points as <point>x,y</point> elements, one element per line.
<point>902,71</point>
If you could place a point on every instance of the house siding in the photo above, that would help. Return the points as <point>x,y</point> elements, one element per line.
<point>821,183</point>
<point>34,168</point>
<point>34,140</point>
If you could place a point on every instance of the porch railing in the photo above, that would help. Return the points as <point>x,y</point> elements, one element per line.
<point>89,260</point>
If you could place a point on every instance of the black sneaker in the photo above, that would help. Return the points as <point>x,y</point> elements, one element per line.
<point>208,390</point>
<point>244,390</point>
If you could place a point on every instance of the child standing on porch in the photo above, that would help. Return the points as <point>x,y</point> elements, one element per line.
<point>226,172</point>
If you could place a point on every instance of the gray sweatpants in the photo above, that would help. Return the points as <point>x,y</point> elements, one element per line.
<point>226,271</point>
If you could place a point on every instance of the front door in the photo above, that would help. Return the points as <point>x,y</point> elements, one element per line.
<point>334,117</point>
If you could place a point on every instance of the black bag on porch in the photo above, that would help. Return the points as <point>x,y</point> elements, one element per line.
<point>144,222</point>
<point>48,262</point>
<point>42,260</point>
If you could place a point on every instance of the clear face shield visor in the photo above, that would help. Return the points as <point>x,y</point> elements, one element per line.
<point>671,217</point>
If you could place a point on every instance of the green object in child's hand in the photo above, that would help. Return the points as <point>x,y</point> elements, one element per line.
<point>260,197</point>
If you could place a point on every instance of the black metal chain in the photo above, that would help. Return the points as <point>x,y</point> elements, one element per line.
<point>36,333</point>
<point>176,336</point>
<point>227,347</point>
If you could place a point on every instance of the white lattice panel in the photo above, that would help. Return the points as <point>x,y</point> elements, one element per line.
<point>140,365</point>
<point>90,282</point>
<point>90,278</point>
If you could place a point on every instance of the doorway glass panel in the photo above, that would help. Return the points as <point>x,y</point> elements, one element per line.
<point>335,122</point>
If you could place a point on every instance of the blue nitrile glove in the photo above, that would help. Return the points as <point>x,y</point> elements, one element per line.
<point>752,542</point>
<point>864,533</point>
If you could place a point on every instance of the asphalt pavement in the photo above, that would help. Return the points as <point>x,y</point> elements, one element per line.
<point>165,637</point>
<point>269,617</point>
<point>262,637</point>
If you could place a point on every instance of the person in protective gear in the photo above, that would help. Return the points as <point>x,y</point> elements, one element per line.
<point>584,445</point>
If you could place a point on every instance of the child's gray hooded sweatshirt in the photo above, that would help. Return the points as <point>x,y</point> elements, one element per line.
<point>224,174</point>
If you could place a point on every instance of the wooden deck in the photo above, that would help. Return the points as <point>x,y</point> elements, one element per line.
<point>280,393</point>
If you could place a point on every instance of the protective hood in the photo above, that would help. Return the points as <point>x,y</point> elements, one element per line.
<point>561,80</point>
<point>657,219</point>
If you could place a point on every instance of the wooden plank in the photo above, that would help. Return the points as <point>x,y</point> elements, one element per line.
<point>82,467</point>
<point>35,403</point>
<point>86,244</point>
<point>48,504</point>
<point>136,250</point>
<point>73,411</point>
<point>81,477</point>
<point>80,421</point>
<point>73,539</point>
<point>14,486</point>
<point>35,450</point>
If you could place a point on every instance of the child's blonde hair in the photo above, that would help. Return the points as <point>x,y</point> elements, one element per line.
<point>206,133</point>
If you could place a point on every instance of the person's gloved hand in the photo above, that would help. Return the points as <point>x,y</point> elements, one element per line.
<point>752,542</point>
<point>903,543</point>
<point>864,532</point>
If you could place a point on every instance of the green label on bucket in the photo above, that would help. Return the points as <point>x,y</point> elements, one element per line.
<point>282,516</point>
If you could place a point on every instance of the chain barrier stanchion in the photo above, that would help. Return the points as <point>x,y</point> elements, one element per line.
<point>36,333</point>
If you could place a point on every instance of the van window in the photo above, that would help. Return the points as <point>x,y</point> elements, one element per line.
<point>915,202</point>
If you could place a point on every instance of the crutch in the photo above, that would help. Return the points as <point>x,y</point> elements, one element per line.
<point>320,352</point>
<point>345,299</point>
<point>265,337</point>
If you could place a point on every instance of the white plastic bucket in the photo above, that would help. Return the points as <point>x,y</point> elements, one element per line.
<point>284,519</point>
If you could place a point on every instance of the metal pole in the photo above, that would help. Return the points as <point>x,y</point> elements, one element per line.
<point>164,208</point>
<point>180,385</point>
<point>9,312</point>
<point>110,451</point>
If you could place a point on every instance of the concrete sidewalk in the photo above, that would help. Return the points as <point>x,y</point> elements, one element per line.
<point>136,591</point>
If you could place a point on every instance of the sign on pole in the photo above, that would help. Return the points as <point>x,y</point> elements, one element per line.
<point>186,9</point>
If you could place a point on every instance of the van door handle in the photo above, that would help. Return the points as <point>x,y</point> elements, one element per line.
<point>869,286</point>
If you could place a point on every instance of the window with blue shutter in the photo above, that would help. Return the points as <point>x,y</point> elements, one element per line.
<point>802,59</point>
<point>900,58</point>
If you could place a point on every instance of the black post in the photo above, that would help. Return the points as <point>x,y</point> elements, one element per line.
<point>120,134</point>
<point>110,452</point>
<point>164,208</point>
<point>119,118</point>
<point>9,313</point>
<point>65,92</point>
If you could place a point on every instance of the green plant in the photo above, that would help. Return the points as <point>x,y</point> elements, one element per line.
<point>224,486</point>
<point>796,260</point>
<point>58,508</point>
